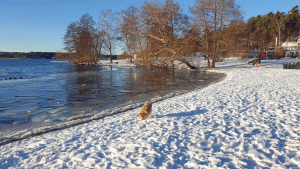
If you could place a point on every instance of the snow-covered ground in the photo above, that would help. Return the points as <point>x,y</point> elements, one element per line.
<point>124,63</point>
<point>196,61</point>
<point>249,120</point>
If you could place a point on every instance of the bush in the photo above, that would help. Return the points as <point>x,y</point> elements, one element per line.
<point>279,53</point>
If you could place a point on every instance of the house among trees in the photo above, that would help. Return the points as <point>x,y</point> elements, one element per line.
<point>292,49</point>
<point>108,57</point>
<point>291,46</point>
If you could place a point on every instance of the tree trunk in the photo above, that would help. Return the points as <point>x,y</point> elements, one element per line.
<point>208,62</point>
<point>213,63</point>
<point>188,64</point>
<point>279,37</point>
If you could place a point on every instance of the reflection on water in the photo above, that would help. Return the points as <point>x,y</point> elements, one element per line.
<point>98,88</point>
<point>81,90</point>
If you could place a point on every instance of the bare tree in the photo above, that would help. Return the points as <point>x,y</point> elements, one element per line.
<point>164,30</point>
<point>99,43</point>
<point>279,21</point>
<point>214,16</point>
<point>79,40</point>
<point>128,28</point>
<point>235,39</point>
<point>202,27</point>
<point>71,37</point>
<point>107,25</point>
<point>87,32</point>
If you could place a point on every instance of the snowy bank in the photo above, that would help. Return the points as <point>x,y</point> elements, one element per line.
<point>249,120</point>
<point>121,63</point>
<point>198,62</point>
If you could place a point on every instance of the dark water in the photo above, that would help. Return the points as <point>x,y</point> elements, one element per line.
<point>46,93</point>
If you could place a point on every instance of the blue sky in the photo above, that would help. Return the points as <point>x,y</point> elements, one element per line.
<point>40,25</point>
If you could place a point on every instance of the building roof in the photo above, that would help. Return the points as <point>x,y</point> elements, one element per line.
<point>290,44</point>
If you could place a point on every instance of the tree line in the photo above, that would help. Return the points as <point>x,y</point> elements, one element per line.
<point>29,55</point>
<point>161,33</point>
<point>268,29</point>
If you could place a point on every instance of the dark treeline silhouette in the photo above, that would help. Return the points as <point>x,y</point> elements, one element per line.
<point>29,55</point>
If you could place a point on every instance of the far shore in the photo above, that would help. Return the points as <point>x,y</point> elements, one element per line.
<point>10,58</point>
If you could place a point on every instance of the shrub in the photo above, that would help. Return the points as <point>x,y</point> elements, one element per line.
<point>279,53</point>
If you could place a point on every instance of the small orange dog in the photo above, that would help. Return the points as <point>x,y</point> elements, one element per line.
<point>146,111</point>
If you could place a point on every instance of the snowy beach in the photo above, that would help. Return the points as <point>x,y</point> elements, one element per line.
<point>248,120</point>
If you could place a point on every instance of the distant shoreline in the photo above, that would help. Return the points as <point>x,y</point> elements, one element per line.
<point>26,58</point>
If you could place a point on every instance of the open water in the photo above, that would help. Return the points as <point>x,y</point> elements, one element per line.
<point>38,93</point>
